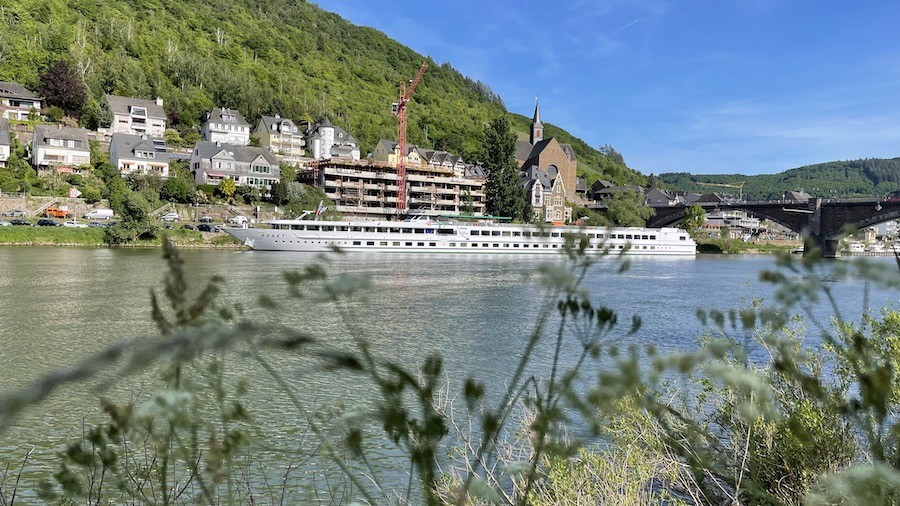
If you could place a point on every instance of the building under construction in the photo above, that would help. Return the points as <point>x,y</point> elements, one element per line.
<point>368,189</point>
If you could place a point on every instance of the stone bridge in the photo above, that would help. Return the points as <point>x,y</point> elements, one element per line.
<point>825,222</point>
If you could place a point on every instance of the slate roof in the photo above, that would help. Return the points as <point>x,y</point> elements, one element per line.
<point>528,177</point>
<point>13,90</point>
<point>127,144</point>
<point>4,132</point>
<point>217,116</point>
<point>271,124</point>
<point>570,152</point>
<point>340,135</point>
<point>523,149</point>
<point>796,196</point>
<point>44,132</point>
<point>207,149</point>
<point>123,105</point>
<point>474,171</point>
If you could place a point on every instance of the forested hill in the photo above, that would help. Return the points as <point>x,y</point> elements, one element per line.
<point>870,177</point>
<point>257,56</point>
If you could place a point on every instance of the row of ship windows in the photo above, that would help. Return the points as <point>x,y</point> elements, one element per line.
<point>465,245</point>
<point>447,231</point>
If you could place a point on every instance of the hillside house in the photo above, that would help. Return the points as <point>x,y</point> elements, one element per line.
<point>135,154</point>
<point>136,116</point>
<point>16,102</point>
<point>546,194</point>
<point>282,137</point>
<point>226,126</point>
<point>212,162</point>
<point>387,151</point>
<point>326,141</point>
<point>4,141</point>
<point>61,149</point>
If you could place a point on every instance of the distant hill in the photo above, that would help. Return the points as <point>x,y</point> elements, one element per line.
<point>870,177</point>
<point>259,57</point>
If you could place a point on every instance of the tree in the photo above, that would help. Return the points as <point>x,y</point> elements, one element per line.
<point>279,194</point>
<point>227,187</point>
<point>62,87</point>
<point>504,193</point>
<point>627,209</point>
<point>177,189</point>
<point>694,217</point>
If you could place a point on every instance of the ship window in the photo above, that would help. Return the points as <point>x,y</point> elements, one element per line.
<point>432,244</point>
<point>409,244</point>
<point>452,244</point>
<point>628,237</point>
<point>312,227</point>
<point>356,229</point>
<point>495,232</point>
<point>421,244</point>
<point>506,245</point>
<point>407,230</point>
<point>445,231</point>
<point>506,233</point>
<point>554,234</point>
<point>396,243</point>
<point>341,229</point>
<point>395,230</point>
<point>296,227</point>
<point>546,245</point>
<point>682,238</point>
<point>517,234</point>
<point>429,230</point>
<point>496,245</point>
<point>370,229</point>
<point>370,243</point>
<point>463,245</point>
<point>516,245</point>
<point>476,232</point>
<point>357,243</point>
<point>382,230</point>
<point>652,237</point>
<point>383,243</point>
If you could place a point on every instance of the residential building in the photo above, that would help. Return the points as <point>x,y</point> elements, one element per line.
<point>59,148</point>
<point>326,141</point>
<point>135,154</point>
<point>369,189</point>
<point>282,137</point>
<point>226,126</point>
<point>211,162</point>
<point>545,192</point>
<point>4,141</point>
<point>656,197</point>
<point>16,102</point>
<point>555,159</point>
<point>795,197</point>
<point>387,152</point>
<point>136,116</point>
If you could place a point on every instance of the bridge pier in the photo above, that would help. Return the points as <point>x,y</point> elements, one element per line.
<point>827,248</point>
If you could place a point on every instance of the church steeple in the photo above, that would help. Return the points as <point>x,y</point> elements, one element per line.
<point>537,128</point>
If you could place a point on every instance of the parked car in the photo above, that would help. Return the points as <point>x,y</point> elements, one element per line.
<point>16,213</point>
<point>187,226</point>
<point>22,223</point>
<point>47,222</point>
<point>96,224</point>
<point>58,212</point>
<point>239,220</point>
<point>4,223</point>
<point>74,224</point>
<point>99,214</point>
<point>169,217</point>
<point>206,227</point>
<point>205,219</point>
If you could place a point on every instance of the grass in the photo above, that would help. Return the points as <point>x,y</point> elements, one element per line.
<point>51,236</point>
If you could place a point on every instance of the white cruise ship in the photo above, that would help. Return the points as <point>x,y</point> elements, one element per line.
<point>421,236</point>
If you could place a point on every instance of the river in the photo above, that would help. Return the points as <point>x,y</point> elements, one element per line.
<point>60,304</point>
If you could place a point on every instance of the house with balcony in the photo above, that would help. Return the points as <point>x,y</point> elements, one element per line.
<point>4,141</point>
<point>136,116</point>
<point>387,151</point>
<point>139,155</point>
<point>61,149</point>
<point>212,162</point>
<point>226,126</point>
<point>282,137</point>
<point>16,102</point>
<point>326,141</point>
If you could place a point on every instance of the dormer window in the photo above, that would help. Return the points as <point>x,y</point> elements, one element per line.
<point>139,111</point>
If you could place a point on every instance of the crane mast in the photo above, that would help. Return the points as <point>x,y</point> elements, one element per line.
<point>399,110</point>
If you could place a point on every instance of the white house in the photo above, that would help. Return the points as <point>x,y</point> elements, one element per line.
<point>4,141</point>
<point>282,137</point>
<point>60,148</point>
<point>136,116</point>
<point>326,141</point>
<point>16,102</point>
<point>135,154</point>
<point>226,126</point>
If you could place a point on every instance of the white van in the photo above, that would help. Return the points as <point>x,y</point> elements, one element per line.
<point>99,214</point>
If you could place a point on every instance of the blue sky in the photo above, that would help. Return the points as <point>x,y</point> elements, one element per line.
<point>703,86</point>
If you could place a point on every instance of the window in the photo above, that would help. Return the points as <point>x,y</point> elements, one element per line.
<point>557,201</point>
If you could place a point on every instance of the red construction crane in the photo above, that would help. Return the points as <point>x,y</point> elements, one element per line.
<point>399,110</point>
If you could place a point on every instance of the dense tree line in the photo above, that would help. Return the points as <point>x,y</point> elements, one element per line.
<point>871,177</point>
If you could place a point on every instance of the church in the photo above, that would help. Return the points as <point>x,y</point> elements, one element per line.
<point>547,173</point>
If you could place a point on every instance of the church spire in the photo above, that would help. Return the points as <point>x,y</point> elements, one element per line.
<point>537,128</point>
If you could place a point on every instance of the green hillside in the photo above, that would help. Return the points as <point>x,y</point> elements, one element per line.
<point>871,177</point>
<point>259,57</point>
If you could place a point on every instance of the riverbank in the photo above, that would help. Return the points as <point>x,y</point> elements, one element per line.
<point>93,237</point>
<point>738,247</point>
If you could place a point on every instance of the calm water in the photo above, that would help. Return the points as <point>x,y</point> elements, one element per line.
<point>57,305</point>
